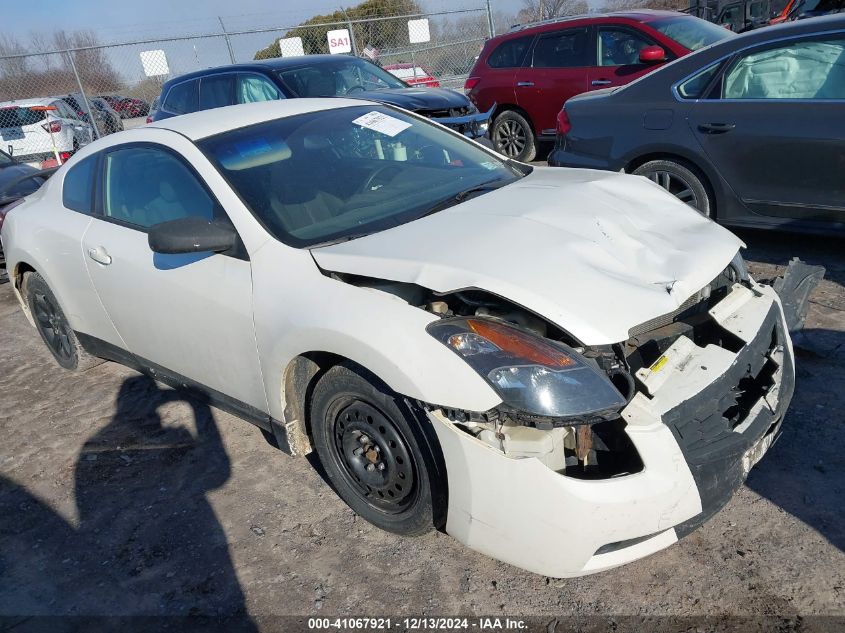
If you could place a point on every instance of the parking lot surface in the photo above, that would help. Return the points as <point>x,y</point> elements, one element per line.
<point>121,496</point>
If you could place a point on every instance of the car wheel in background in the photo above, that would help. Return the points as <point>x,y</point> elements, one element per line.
<point>682,181</point>
<point>53,327</point>
<point>376,452</point>
<point>513,137</point>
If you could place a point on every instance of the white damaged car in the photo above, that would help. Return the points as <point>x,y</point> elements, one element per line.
<point>566,370</point>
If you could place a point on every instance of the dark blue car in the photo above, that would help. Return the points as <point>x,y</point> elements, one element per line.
<point>315,76</point>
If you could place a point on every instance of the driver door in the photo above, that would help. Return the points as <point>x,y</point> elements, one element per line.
<point>189,314</point>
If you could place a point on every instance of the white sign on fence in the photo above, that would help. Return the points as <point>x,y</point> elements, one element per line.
<point>154,63</point>
<point>418,31</point>
<point>339,41</point>
<point>291,47</point>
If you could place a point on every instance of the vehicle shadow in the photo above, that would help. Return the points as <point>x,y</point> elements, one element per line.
<point>804,472</point>
<point>147,542</point>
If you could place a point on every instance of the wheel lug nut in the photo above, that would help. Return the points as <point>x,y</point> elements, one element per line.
<point>358,451</point>
<point>370,468</point>
<point>363,439</point>
<point>381,466</point>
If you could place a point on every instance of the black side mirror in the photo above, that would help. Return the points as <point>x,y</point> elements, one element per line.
<point>191,235</point>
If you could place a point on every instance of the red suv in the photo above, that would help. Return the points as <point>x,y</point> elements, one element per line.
<point>533,69</point>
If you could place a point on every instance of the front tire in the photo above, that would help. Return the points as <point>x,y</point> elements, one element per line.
<point>376,452</point>
<point>53,327</point>
<point>513,137</point>
<point>682,181</point>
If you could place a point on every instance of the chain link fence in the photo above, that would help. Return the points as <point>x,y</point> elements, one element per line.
<point>52,102</point>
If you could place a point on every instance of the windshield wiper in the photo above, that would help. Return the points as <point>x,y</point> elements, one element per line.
<point>459,197</point>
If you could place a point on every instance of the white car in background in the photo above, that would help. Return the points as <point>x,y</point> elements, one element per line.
<point>33,130</point>
<point>566,369</point>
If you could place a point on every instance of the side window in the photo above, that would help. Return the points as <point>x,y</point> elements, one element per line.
<point>252,88</point>
<point>78,187</point>
<point>509,54</point>
<point>693,88</point>
<point>620,47</point>
<point>799,70</point>
<point>563,49</point>
<point>183,98</point>
<point>217,91</point>
<point>732,17</point>
<point>146,186</point>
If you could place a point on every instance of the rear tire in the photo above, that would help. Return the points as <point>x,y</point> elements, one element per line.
<point>513,136</point>
<point>683,181</point>
<point>53,327</point>
<point>376,452</point>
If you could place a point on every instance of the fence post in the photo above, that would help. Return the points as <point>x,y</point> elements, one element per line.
<point>351,32</point>
<point>490,28</point>
<point>88,107</point>
<point>228,41</point>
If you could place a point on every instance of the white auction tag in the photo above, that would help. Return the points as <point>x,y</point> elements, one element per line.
<point>382,123</point>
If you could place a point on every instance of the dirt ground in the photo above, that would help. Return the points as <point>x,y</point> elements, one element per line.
<point>119,496</point>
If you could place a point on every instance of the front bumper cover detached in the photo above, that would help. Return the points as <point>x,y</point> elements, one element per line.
<point>475,125</point>
<point>702,419</point>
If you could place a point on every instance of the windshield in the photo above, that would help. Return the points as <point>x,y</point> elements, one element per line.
<point>342,173</point>
<point>336,78</point>
<point>690,32</point>
<point>820,6</point>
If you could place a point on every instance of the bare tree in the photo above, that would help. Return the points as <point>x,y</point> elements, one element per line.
<point>536,10</point>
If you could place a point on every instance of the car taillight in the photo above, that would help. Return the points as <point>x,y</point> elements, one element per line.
<point>149,119</point>
<point>63,156</point>
<point>563,122</point>
<point>471,83</point>
<point>53,127</point>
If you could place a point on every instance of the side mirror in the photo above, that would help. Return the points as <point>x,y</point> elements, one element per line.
<point>652,55</point>
<point>191,235</point>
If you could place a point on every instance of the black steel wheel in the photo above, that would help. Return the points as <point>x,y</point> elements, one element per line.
<point>53,327</point>
<point>512,136</point>
<point>681,181</point>
<point>376,452</point>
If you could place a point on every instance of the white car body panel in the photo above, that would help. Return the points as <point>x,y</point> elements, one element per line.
<point>595,253</point>
<point>591,254</point>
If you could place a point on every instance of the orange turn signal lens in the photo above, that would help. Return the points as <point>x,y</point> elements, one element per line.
<point>521,345</point>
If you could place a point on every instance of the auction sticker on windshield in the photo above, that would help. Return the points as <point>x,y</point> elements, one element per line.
<point>383,123</point>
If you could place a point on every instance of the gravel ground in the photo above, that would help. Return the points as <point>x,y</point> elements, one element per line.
<point>120,496</point>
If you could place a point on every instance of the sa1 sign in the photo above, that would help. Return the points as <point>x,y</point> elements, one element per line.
<point>339,41</point>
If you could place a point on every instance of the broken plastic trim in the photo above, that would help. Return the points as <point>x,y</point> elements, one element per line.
<point>794,289</point>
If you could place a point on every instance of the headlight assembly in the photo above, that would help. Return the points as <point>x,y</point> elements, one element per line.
<point>530,374</point>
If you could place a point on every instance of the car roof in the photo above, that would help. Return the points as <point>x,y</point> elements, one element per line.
<point>199,125</point>
<point>636,15</point>
<point>25,103</point>
<point>261,65</point>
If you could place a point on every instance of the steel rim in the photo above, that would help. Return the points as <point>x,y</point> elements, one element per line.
<point>677,186</point>
<point>510,138</point>
<point>53,326</point>
<point>374,457</point>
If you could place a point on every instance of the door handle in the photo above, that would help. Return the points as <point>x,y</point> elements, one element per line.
<point>601,82</point>
<point>524,84</point>
<point>99,255</point>
<point>716,128</point>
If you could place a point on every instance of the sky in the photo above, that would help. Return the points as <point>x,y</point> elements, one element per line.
<point>122,21</point>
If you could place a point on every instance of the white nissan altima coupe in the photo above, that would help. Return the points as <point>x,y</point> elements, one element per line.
<point>565,369</point>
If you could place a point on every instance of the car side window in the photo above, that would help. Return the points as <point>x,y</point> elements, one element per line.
<point>217,91</point>
<point>812,70</point>
<point>145,186</point>
<point>620,47</point>
<point>183,98</point>
<point>562,49</point>
<point>252,88</point>
<point>78,186</point>
<point>694,87</point>
<point>509,54</point>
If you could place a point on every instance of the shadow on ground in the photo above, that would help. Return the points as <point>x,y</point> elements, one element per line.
<point>146,529</point>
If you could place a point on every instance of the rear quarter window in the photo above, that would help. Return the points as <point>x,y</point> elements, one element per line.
<point>510,54</point>
<point>78,187</point>
<point>183,98</point>
<point>17,117</point>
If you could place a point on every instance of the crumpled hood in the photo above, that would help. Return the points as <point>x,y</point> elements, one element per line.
<point>596,253</point>
<point>416,99</point>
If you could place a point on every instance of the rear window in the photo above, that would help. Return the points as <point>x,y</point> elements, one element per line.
<point>690,32</point>
<point>509,54</point>
<point>17,117</point>
<point>182,98</point>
